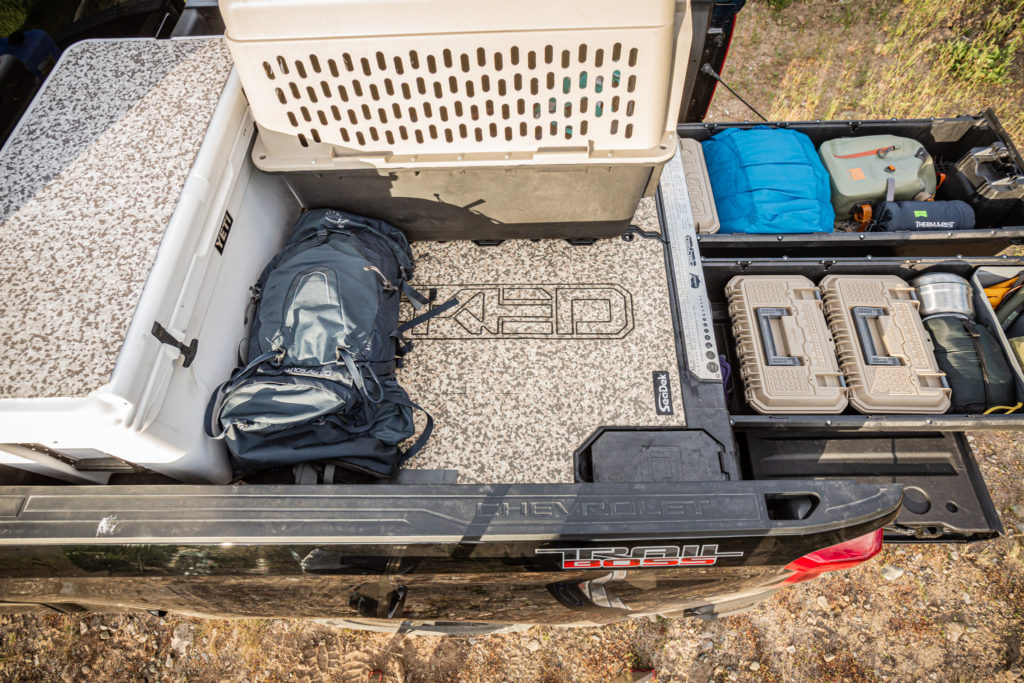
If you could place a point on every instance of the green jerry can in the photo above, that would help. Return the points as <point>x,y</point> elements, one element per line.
<point>860,169</point>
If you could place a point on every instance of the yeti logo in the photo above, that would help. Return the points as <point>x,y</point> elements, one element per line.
<point>662,393</point>
<point>222,234</point>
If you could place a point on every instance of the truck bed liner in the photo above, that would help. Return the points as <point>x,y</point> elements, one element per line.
<point>549,342</point>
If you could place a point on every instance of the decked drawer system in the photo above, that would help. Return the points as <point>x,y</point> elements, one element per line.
<point>948,140</point>
<point>632,365</point>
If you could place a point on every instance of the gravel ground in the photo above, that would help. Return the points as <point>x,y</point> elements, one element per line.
<point>928,612</point>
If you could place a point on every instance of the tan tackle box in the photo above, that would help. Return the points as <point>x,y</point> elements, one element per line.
<point>884,350</point>
<point>698,185</point>
<point>788,359</point>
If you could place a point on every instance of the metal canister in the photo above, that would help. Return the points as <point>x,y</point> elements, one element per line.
<point>944,293</point>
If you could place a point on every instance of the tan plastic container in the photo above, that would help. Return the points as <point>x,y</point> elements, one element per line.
<point>404,83</point>
<point>698,185</point>
<point>884,350</point>
<point>787,357</point>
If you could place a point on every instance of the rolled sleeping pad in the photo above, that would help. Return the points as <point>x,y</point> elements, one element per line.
<point>975,367</point>
<point>911,215</point>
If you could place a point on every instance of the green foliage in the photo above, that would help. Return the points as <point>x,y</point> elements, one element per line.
<point>779,5</point>
<point>987,56</point>
<point>13,14</point>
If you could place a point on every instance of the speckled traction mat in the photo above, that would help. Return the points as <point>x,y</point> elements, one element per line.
<point>548,342</point>
<point>91,179</point>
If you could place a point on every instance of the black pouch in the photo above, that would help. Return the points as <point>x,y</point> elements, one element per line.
<point>974,363</point>
<point>910,215</point>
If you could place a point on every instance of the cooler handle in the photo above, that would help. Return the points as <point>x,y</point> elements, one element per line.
<point>861,316</point>
<point>764,323</point>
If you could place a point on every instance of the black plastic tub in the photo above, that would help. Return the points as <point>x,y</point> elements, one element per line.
<point>743,418</point>
<point>946,139</point>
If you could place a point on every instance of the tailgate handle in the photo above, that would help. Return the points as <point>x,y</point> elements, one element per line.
<point>765,316</point>
<point>862,315</point>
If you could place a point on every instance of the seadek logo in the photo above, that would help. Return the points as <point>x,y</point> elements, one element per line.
<point>640,557</point>
<point>662,393</point>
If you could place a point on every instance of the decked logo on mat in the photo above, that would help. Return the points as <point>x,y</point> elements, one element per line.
<point>640,557</point>
<point>534,311</point>
<point>662,392</point>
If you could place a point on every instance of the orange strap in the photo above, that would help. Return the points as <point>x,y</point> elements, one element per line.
<point>862,214</point>
<point>881,151</point>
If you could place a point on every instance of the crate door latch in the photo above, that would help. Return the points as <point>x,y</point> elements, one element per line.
<point>188,352</point>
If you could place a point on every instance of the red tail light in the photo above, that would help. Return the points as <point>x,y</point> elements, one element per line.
<point>842,556</point>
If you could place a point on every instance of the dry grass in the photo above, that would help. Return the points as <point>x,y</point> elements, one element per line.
<point>879,59</point>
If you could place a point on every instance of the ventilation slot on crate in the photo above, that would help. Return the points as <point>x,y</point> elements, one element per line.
<point>445,95</point>
<point>502,86</point>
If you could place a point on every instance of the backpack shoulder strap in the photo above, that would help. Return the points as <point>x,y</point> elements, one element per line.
<point>424,436</point>
<point>424,317</point>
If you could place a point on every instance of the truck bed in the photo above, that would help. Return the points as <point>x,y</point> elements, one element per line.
<point>549,342</point>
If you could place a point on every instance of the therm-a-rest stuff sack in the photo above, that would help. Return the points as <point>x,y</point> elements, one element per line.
<point>320,381</point>
<point>940,215</point>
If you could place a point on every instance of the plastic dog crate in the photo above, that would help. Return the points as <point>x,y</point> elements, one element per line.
<point>475,120</point>
<point>389,84</point>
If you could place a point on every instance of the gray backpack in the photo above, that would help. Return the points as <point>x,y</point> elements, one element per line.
<point>320,383</point>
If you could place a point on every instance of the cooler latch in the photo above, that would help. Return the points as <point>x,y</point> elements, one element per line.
<point>188,353</point>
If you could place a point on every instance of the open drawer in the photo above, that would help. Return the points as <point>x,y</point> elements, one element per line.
<point>944,494</point>
<point>945,497</point>
<point>947,140</point>
<point>742,417</point>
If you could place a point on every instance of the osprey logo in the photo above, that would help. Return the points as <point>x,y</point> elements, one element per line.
<point>335,218</point>
<point>662,393</point>
<point>639,557</point>
<point>312,372</point>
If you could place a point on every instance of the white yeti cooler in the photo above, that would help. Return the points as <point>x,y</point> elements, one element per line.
<point>132,231</point>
